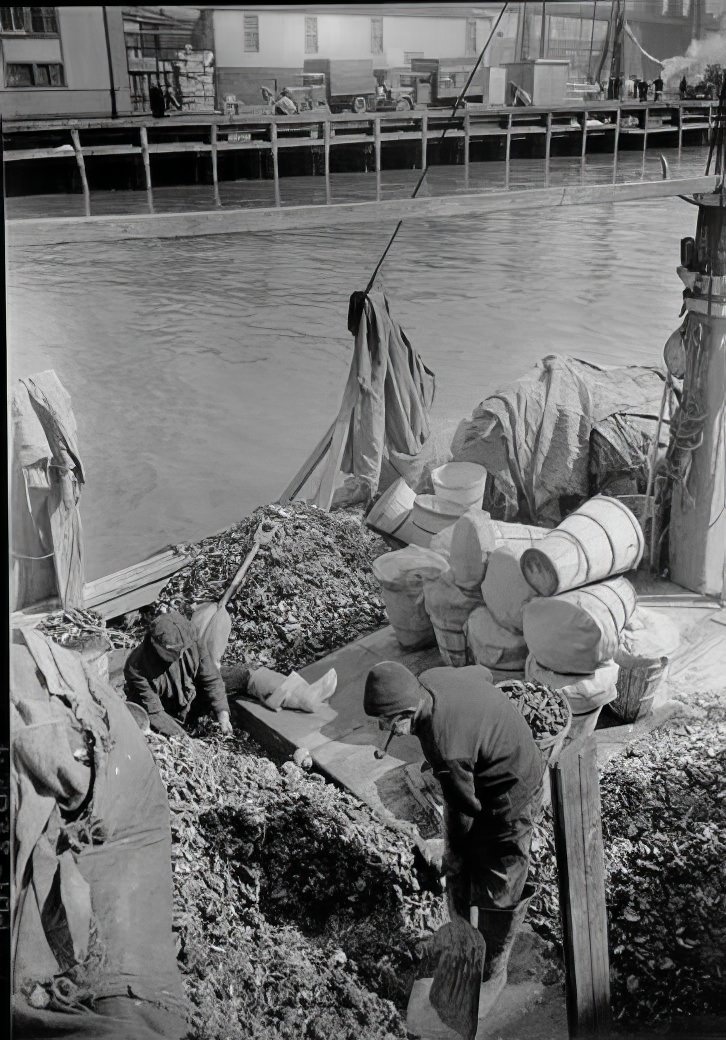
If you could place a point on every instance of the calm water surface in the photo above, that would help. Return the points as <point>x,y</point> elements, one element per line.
<point>203,371</point>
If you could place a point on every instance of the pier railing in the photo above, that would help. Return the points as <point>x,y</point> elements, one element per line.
<point>318,133</point>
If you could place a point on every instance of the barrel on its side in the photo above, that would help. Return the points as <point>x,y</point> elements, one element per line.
<point>476,536</point>
<point>600,539</point>
<point>391,510</point>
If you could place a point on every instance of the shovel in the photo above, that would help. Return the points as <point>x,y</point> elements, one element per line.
<point>211,621</point>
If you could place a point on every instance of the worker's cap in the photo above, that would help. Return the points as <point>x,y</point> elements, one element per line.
<point>170,634</point>
<point>391,689</point>
<point>285,90</point>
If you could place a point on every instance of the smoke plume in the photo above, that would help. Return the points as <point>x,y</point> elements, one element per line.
<point>700,53</point>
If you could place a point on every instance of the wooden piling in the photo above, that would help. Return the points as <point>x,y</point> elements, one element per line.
<point>508,156</point>
<point>680,129</point>
<point>377,141</point>
<point>147,166</point>
<point>645,132</point>
<point>275,161</point>
<point>548,148</point>
<point>575,786</point>
<point>326,146</point>
<point>583,144</point>
<point>215,175</point>
<point>82,170</point>
<point>424,140</point>
<point>467,133</point>
<point>616,145</point>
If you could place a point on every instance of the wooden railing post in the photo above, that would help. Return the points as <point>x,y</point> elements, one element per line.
<point>583,145</point>
<point>82,170</point>
<point>574,781</point>
<point>377,141</point>
<point>275,161</point>
<point>424,140</point>
<point>548,148</point>
<point>616,146</point>
<point>680,128</point>
<point>508,156</point>
<point>215,174</point>
<point>467,133</point>
<point>147,166</point>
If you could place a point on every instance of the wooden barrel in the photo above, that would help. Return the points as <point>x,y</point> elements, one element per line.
<point>476,536</point>
<point>392,509</point>
<point>401,576</point>
<point>431,514</point>
<point>449,607</point>
<point>638,681</point>
<point>577,631</point>
<point>598,540</point>
<point>452,647</point>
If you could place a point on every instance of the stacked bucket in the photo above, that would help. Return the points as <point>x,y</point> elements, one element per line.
<point>549,604</point>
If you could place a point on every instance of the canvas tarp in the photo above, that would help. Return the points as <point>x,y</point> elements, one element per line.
<point>92,895</point>
<point>534,435</point>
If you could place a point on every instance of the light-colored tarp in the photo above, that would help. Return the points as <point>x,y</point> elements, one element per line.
<point>534,436</point>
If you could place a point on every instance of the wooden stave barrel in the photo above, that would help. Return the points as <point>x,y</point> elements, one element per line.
<point>560,562</point>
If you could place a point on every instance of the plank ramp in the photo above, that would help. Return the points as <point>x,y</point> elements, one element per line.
<point>134,586</point>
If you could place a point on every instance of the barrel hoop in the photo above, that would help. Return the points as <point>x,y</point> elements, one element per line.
<point>638,528</point>
<point>604,531</point>
<point>607,607</point>
<point>578,548</point>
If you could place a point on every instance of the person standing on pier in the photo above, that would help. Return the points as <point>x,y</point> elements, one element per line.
<point>491,771</point>
<point>657,88</point>
<point>172,675</point>
<point>683,88</point>
<point>643,90</point>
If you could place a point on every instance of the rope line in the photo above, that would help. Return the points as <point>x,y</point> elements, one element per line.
<point>425,170</point>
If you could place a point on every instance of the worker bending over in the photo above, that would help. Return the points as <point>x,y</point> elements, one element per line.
<point>490,769</point>
<point>172,675</point>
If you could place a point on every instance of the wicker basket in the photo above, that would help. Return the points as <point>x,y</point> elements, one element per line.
<point>551,746</point>
<point>452,647</point>
<point>638,680</point>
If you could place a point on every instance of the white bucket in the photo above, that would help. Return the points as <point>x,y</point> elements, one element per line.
<point>431,514</point>
<point>390,512</point>
<point>460,482</point>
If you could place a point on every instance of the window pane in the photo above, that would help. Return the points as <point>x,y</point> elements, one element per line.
<point>311,35</point>
<point>376,36</point>
<point>42,76</point>
<point>252,32</point>
<point>470,36</point>
<point>12,19</point>
<point>19,75</point>
<point>56,76</point>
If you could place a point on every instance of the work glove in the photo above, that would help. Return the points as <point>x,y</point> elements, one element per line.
<point>160,722</point>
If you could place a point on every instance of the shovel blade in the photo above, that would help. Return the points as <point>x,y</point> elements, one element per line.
<point>213,627</point>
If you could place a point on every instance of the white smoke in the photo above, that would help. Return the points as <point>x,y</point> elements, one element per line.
<point>700,53</point>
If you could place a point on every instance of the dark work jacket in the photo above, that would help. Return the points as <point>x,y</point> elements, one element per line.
<point>160,685</point>
<point>479,746</point>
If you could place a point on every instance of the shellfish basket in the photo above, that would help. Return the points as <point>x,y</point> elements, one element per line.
<point>638,680</point>
<point>550,745</point>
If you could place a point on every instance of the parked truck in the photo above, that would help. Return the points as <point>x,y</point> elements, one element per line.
<point>352,85</point>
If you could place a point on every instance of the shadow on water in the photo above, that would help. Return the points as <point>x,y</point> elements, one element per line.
<point>203,371</point>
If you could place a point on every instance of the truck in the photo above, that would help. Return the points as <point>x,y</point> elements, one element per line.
<point>352,85</point>
<point>438,82</point>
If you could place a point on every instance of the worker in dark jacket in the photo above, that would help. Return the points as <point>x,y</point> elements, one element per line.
<point>490,769</point>
<point>172,675</point>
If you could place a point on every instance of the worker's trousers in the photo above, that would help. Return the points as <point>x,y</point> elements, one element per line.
<point>493,860</point>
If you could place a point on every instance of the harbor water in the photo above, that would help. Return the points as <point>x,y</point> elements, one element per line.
<point>203,371</point>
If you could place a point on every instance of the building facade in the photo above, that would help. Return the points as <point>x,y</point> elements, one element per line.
<point>62,62</point>
<point>259,47</point>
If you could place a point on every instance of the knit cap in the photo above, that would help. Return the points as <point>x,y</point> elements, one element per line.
<point>169,634</point>
<point>391,688</point>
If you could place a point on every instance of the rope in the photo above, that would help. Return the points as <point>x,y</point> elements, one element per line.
<point>421,179</point>
<point>22,556</point>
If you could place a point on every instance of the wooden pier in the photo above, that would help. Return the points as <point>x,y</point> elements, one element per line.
<point>477,132</point>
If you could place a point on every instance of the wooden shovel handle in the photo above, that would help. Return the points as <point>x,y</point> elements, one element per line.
<point>239,576</point>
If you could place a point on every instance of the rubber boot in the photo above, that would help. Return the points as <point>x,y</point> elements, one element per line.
<point>499,928</point>
<point>278,691</point>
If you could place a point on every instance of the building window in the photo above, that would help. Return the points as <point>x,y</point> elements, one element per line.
<point>252,32</point>
<point>376,36</point>
<point>470,37</point>
<point>34,75</point>
<point>408,55</point>
<point>38,21</point>
<point>311,35</point>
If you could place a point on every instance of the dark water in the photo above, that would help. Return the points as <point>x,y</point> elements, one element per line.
<point>203,371</point>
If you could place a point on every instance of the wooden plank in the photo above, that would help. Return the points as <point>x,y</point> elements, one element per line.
<point>508,154</point>
<point>147,168</point>
<point>583,146</point>
<point>574,782</point>
<point>616,144</point>
<point>132,587</point>
<point>82,170</point>
<point>215,172</point>
<point>377,142</point>
<point>338,441</point>
<point>424,140</point>
<point>53,230</point>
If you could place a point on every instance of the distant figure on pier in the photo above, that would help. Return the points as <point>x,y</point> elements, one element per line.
<point>643,90</point>
<point>285,105</point>
<point>156,101</point>
<point>629,87</point>
<point>657,88</point>
<point>683,88</point>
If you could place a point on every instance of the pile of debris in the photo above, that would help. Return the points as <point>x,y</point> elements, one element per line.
<point>664,829</point>
<point>297,913</point>
<point>72,626</point>
<point>307,593</point>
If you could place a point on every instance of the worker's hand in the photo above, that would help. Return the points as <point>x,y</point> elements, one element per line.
<point>160,722</point>
<point>224,724</point>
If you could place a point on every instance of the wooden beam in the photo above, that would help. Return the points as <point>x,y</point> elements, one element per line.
<point>575,786</point>
<point>467,136</point>
<point>583,145</point>
<point>215,172</point>
<point>508,157</point>
<point>275,163</point>
<point>548,148</point>
<point>82,170</point>
<point>147,168</point>
<point>680,128</point>
<point>54,230</point>
<point>326,146</point>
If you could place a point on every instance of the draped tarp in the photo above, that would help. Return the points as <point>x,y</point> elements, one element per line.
<point>47,480</point>
<point>93,950</point>
<point>534,436</point>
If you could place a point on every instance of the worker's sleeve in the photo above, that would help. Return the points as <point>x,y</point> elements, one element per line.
<point>210,684</point>
<point>139,689</point>
<point>456,777</point>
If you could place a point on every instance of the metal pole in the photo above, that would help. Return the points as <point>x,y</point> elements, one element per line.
<point>112,87</point>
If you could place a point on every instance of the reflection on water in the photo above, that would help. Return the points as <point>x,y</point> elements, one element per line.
<point>203,371</point>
